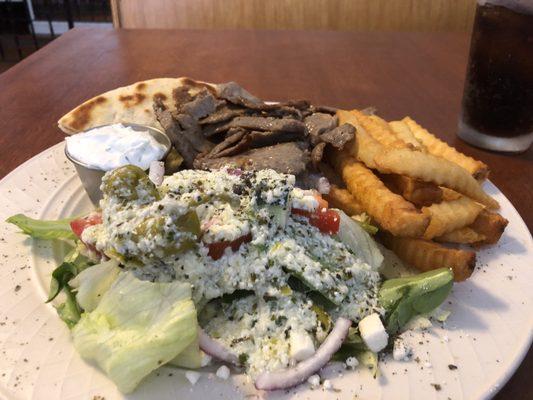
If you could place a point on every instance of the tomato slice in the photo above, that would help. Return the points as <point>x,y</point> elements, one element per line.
<point>326,220</point>
<point>216,250</point>
<point>80,224</point>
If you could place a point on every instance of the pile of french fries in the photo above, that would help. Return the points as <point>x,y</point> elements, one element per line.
<point>425,196</point>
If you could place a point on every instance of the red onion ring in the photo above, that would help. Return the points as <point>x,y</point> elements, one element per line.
<point>215,349</point>
<point>323,186</point>
<point>156,172</point>
<point>288,378</point>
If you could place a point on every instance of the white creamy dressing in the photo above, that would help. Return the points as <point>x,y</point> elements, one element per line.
<point>114,146</point>
<point>283,246</point>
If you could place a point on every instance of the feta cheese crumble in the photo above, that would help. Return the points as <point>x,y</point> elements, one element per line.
<point>223,372</point>
<point>400,351</point>
<point>327,385</point>
<point>373,332</point>
<point>304,200</point>
<point>301,345</point>
<point>314,381</point>
<point>192,377</point>
<point>352,362</point>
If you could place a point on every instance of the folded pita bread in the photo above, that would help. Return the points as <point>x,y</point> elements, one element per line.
<point>130,104</point>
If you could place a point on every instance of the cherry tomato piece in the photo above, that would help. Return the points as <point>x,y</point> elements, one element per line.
<point>216,250</point>
<point>80,224</point>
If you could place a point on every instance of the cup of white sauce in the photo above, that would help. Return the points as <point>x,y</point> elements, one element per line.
<point>103,148</point>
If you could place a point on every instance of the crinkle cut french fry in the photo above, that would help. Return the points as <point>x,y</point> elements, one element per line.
<point>417,192</point>
<point>437,147</point>
<point>403,132</point>
<point>379,129</point>
<point>425,255</point>
<point>449,194</point>
<point>414,164</point>
<point>413,190</point>
<point>430,168</point>
<point>343,199</point>
<point>391,211</point>
<point>464,235</point>
<point>448,216</point>
<point>491,225</point>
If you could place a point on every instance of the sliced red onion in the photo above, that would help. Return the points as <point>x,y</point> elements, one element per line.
<point>288,378</point>
<point>312,180</point>
<point>156,172</point>
<point>215,349</point>
<point>323,185</point>
<point>234,171</point>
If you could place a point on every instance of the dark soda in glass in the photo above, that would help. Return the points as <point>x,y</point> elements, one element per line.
<point>497,111</point>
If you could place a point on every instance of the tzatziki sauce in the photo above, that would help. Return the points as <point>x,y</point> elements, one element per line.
<point>114,146</point>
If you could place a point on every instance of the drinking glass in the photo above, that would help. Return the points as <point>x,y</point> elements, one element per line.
<point>497,109</point>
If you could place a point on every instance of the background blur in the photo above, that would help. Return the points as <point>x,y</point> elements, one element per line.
<point>26,25</point>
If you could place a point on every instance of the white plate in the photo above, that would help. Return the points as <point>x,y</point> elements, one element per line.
<point>486,337</point>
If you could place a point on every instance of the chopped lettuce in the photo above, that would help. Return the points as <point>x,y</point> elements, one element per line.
<point>359,241</point>
<point>298,283</point>
<point>364,220</point>
<point>418,323</point>
<point>76,257</point>
<point>440,314</point>
<point>137,327</point>
<point>369,360</point>
<point>352,346</point>
<point>191,357</point>
<point>404,298</point>
<point>60,278</point>
<point>93,282</point>
<point>41,229</point>
<point>393,267</point>
<point>69,311</point>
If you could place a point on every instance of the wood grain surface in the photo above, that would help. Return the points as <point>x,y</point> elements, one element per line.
<point>416,74</point>
<point>343,15</point>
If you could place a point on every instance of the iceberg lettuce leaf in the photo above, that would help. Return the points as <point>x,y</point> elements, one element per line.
<point>93,282</point>
<point>191,357</point>
<point>137,327</point>
<point>41,229</point>
<point>359,241</point>
<point>69,311</point>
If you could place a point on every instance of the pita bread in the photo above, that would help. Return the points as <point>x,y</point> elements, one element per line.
<point>130,104</point>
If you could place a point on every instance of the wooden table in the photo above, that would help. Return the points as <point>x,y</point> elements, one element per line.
<point>416,74</point>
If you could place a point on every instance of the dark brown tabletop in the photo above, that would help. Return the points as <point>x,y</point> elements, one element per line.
<point>415,74</point>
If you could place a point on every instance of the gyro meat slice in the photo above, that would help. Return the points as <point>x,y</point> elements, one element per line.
<point>339,136</point>
<point>174,131</point>
<point>318,123</point>
<point>289,158</point>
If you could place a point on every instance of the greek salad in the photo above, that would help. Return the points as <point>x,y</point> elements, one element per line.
<point>241,267</point>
